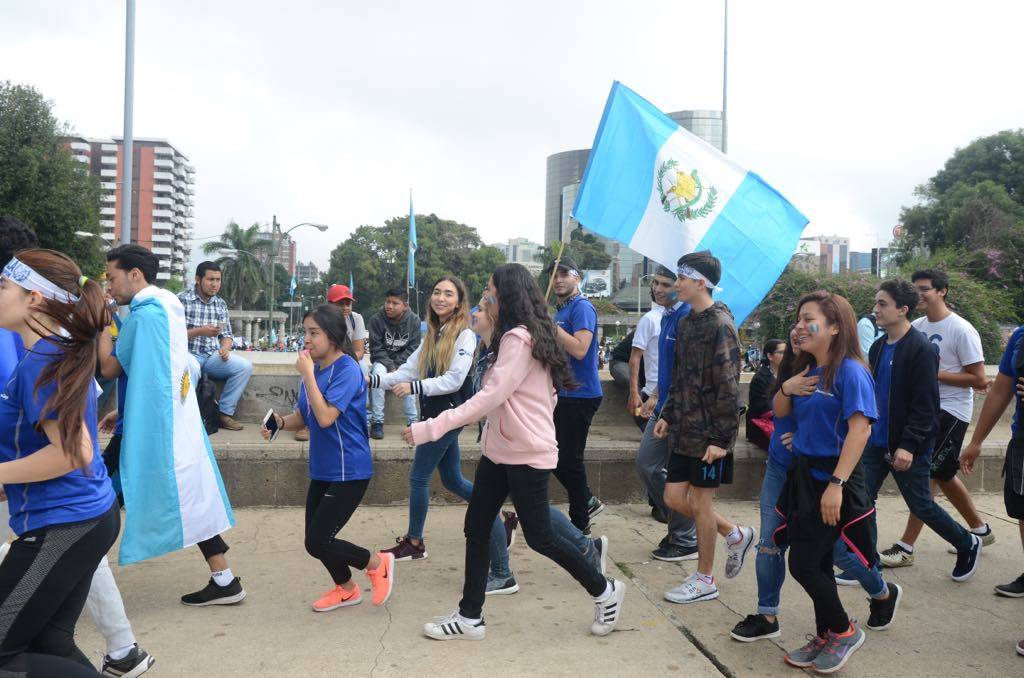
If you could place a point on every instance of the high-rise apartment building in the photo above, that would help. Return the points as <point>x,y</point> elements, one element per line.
<point>284,249</point>
<point>833,252</point>
<point>522,251</point>
<point>565,171</point>
<point>306,273</point>
<point>161,196</point>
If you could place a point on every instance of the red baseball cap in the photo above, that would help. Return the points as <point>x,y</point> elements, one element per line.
<point>338,293</point>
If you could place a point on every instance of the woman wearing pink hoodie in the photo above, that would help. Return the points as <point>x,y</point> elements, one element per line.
<point>519,452</point>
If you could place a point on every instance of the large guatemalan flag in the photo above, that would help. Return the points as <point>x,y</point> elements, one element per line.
<point>657,188</point>
<point>173,493</point>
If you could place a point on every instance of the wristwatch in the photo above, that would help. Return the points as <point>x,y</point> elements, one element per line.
<point>836,480</point>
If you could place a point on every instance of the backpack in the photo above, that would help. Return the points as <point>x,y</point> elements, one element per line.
<point>209,409</point>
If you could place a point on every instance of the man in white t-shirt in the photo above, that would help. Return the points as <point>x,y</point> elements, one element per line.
<point>645,342</point>
<point>961,370</point>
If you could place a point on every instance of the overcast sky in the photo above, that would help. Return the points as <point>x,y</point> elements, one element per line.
<point>330,112</point>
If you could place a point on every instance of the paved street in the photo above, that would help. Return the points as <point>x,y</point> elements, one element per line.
<point>943,628</point>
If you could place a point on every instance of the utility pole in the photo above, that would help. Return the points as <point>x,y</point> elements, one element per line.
<point>725,81</point>
<point>272,261</point>
<point>128,147</point>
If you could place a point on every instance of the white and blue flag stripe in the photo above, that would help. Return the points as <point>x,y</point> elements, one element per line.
<point>657,188</point>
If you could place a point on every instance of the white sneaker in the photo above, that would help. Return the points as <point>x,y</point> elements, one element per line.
<point>895,556</point>
<point>738,551</point>
<point>453,627</point>
<point>606,613</point>
<point>692,590</point>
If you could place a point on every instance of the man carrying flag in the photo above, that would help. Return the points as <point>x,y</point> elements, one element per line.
<point>173,493</point>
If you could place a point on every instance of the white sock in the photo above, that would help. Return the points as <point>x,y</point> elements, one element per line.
<point>734,537</point>
<point>468,621</point>
<point>607,593</point>
<point>121,652</point>
<point>905,546</point>
<point>983,530</point>
<point>706,578</point>
<point>222,578</point>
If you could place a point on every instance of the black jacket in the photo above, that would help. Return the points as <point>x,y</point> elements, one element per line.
<point>391,344</point>
<point>762,386</point>
<point>913,414</point>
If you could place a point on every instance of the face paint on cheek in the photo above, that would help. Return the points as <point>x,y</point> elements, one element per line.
<point>814,328</point>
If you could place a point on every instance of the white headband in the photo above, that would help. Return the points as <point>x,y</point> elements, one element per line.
<point>694,274</point>
<point>26,277</point>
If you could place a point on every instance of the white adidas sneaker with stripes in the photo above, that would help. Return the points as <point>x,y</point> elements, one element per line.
<point>606,612</point>
<point>453,627</point>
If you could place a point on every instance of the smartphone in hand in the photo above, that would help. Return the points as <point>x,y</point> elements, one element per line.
<point>270,423</point>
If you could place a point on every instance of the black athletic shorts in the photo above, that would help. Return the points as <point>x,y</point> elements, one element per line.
<point>1013,479</point>
<point>694,471</point>
<point>946,456</point>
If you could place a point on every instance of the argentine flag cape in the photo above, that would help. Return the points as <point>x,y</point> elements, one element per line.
<point>173,493</point>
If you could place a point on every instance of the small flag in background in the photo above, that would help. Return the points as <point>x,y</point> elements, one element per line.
<point>662,191</point>
<point>412,243</point>
<point>351,285</point>
<point>291,288</point>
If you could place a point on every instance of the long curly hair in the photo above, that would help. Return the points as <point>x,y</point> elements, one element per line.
<point>521,302</point>
<point>438,349</point>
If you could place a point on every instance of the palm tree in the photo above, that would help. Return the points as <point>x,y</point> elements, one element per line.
<point>244,276</point>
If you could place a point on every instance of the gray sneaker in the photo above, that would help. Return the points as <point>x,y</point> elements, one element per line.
<point>805,656</point>
<point>738,551</point>
<point>838,650</point>
<point>501,587</point>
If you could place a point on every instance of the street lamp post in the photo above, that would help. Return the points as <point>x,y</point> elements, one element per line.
<point>639,285</point>
<point>274,229</point>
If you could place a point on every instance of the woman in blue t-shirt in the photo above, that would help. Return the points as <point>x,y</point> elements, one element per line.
<point>824,499</point>
<point>61,501</point>
<point>332,404</point>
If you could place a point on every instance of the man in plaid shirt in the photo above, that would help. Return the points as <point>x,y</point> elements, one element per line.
<point>210,339</point>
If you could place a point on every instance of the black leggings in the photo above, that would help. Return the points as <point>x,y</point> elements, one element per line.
<point>572,425</point>
<point>44,581</point>
<point>214,546</point>
<point>328,508</point>
<point>528,488</point>
<point>810,563</point>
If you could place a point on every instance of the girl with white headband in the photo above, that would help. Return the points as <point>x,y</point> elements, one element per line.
<point>61,500</point>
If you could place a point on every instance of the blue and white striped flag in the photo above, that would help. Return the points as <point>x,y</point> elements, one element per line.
<point>292,286</point>
<point>412,243</point>
<point>662,191</point>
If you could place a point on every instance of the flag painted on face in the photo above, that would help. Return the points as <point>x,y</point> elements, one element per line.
<point>662,191</point>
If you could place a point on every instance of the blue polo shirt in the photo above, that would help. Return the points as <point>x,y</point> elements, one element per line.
<point>340,451</point>
<point>74,497</point>
<point>777,452</point>
<point>11,351</point>
<point>667,350</point>
<point>822,417</point>
<point>883,384</point>
<point>579,314</point>
<point>1006,368</point>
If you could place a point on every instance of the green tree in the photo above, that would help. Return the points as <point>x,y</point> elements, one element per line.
<point>243,270</point>
<point>585,249</point>
<point>377,259</point>
<point>41,184</point>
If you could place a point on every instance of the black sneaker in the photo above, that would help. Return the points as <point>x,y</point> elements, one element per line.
<point>883,611</point>
<point>672,553</point>
<point>135,663</point>
<point>216,595</point>
<point>967,560</point>
<point>1015,589</point>
<point>377,430</point>
<point>755,627</point>
<point>594,507</point>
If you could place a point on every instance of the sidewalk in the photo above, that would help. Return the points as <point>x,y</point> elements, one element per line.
<point>544,629</point>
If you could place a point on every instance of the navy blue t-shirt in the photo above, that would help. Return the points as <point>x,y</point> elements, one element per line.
<point>667,350</point>
<point>822,417</point>
<point>1006,367</point>
<point>340,451</point>
<point>71,498</point>
<point>883,382</point>
<point>579,314</point>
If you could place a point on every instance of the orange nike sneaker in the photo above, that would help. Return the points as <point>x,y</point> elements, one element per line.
<point>338,597</point>
<point>382,579</point>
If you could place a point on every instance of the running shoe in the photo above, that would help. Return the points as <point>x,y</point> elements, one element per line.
<point>988,537</point>
<point>338,597</point>
<point>382,579</point>
<point>501,587</point>
<point>883,611</point>
<point>454,627</point>
<point>738,551</point>
<point>838,650</point>
<point>805,656</point>
<point>967,560</point>
<point>135,663</point>
<point>692,590</point>
<point>606,612</point>
<point>671,553</point>
<point>755,627</point>
<point>1015,589</point>
<point>594,507</point>
<point>377,430</point>
<point>212,594</point>
<point>510,520</point>
<point>404,549</point>
<point>895,556</point>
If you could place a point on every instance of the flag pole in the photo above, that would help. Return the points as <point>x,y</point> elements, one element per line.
<point>564,243</point>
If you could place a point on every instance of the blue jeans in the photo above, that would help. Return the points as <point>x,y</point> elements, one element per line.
<point>235,373</point>
<point>915,486</point>
<point>444,455</point>
<point>770,562</point>
<point>377,400</point>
